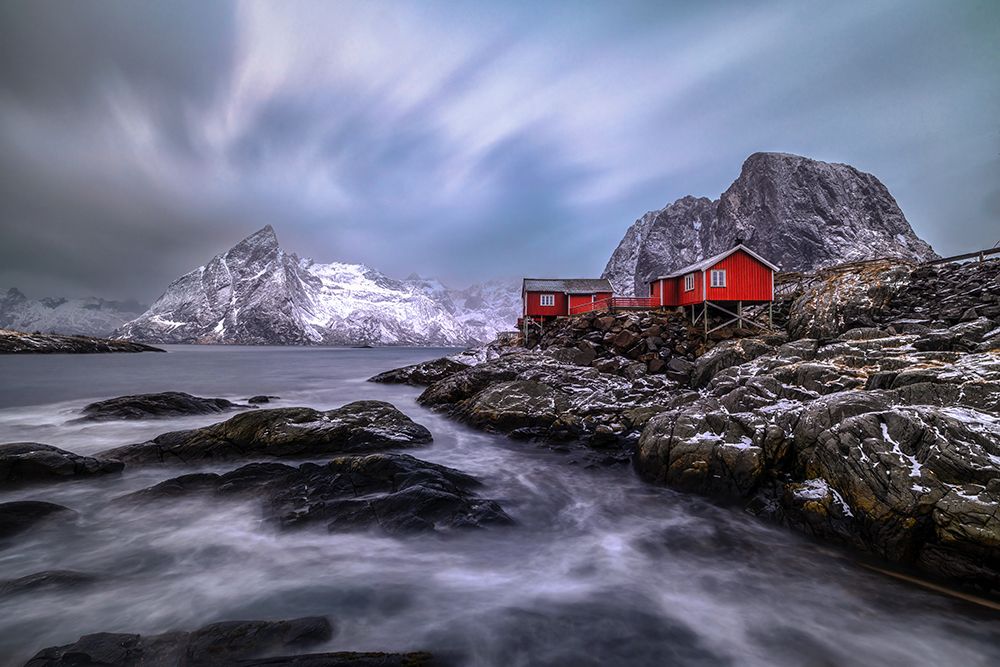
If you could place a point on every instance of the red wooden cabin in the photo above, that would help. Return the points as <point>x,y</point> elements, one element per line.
<point>737,276</point>
<point>546,298</point>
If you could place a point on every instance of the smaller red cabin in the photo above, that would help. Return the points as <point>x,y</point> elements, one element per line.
<point>546,298</point>
<point>737,275</point>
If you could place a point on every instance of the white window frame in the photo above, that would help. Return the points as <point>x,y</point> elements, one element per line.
<point>689,282</point>
<point>546,300</point>
<point>721,275</point>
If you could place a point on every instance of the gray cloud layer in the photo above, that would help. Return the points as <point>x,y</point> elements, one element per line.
<point>461,140</point>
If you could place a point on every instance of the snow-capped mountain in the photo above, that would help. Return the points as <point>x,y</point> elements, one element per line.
<point>256,293</point>
<point>89,316</point>
<point>799,213</point>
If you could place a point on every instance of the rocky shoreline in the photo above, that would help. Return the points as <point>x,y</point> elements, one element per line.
<point>872,420</point>
<point>19,342</point>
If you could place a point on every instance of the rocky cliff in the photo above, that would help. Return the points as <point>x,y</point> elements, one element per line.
<point>258,294</point>
<point>872,420</point>
<point>801,214</point>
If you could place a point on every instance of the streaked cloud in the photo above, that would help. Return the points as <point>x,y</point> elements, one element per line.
<point>465,140</point>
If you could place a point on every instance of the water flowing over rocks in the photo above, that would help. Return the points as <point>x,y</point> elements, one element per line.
<point>799,213</point>
<point>395,493</point>
<point>874,422</point>
<point>163,404</point>
<point>362,426</point>
<point>24,463</point>
<point>230,642</point>
<point>19,342</point>
<point>22,515</point>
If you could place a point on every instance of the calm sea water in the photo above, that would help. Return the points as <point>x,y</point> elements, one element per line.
<point>600,569</point>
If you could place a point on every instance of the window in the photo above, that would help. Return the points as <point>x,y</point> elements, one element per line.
<point>547,300</point>
<point>689,282</point>
<point>718,278</point>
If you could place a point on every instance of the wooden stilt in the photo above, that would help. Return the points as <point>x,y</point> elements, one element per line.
<point>770,315</point>
<point>739,314</point>
<point>705,313</point>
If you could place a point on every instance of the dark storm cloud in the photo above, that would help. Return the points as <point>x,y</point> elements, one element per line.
<point>464,140</point>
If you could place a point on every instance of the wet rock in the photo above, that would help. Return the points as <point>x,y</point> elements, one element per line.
<point>392,492</point>
<point>46,580</point>
<point>282,432</point>
<point>147,406</point>
<point>421,374</point>
<point>704,451</point>
<point>396,493</point>
<point>21,515</point>
<point>24,463</point>
<point>516,404</point>
<point>216,644</point>
<point>262,398</point>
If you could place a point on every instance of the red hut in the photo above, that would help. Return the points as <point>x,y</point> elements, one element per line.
<point>546,298</point>
<point>732,279</point>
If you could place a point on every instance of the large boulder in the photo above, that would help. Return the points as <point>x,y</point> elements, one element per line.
<point>163,404</point>
<point>516,404</point>
<point>23,463</point>
<point>703,449</point>
<point>362,426</point>
<point>392,492</point>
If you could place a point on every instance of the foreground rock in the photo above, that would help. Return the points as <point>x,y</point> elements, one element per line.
<point>216,644</point>
<point>392,492</point>
<point>362,426</point>
<point>24,463</point>
<point>163,404</point>
<point>18,342</point>
<point>19,516</point>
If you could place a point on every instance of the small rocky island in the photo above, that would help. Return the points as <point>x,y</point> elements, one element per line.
<point>869,418</point>
<point>19,342</point>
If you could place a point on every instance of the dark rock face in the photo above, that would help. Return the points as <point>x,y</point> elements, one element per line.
<point>421,374</point>
<point>262,398</point>
<point>23,463</point>
<point>392,492</point>
<point>799,213</point>
<point>21,515</point>
<point>361,426</point>
<point>17,342</point>
<point>163,404</point>
<point>216,644</point>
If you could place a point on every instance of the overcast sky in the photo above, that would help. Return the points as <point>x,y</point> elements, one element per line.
<point>462,140</point>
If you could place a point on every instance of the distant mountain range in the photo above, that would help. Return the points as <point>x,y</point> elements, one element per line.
<point>89,316</point>
<point>799,213</point>
<point>258,294</point>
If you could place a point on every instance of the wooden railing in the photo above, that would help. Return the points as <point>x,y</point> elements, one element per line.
<point>614,303</point>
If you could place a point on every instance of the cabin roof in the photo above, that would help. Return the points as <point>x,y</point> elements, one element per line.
<point>714,259</point>
<point>567,285</point>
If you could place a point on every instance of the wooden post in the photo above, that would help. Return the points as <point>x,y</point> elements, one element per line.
<point>770,318</point>
<point>706,318</point>
<point>739,314</point>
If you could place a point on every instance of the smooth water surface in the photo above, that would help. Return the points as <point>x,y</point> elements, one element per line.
<point>600,569</point>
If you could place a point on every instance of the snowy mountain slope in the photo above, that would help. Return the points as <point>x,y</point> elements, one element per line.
<point>256,293</point>
<point>801,214</point>
<point>87,317</point>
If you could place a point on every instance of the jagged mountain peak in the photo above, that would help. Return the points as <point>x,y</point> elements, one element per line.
<point>256,293</point>
<point>800,213</point>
